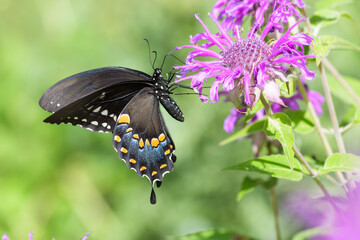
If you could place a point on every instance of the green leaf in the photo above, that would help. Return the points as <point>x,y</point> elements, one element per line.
<point>276,166</point>
<point>251,112</point>
<point>326,17</point>
<point>342,44</point>
<point>314,163</point>
<point>308,233</point>
<point>337,89</point>
<point>322,46</point>
<point>252,128</point>
<point>343,162</point>
<point>212,235</point>
<point>357,116</point>
<point>301,121</point>
<point>288,88</point>
<point>249,184</point>
<point>349,116</point>
<point>279,128</point>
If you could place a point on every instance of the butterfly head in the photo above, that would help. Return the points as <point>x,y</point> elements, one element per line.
<point>157,73</point>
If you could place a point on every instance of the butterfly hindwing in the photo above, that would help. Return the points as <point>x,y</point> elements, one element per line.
<point>141,138</point>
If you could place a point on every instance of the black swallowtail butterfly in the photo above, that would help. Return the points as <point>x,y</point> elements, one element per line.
<point>125,102</point>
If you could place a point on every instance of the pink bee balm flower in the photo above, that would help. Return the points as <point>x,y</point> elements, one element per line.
<point>245,67</point>
<point>340,224</point>
<point>233,12</point>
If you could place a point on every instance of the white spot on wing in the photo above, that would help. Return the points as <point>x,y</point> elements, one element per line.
<point>97,109</point>
<point>104,124</point>
<point>105,112</point>
<point>84,120</point>
<point>94,123</point>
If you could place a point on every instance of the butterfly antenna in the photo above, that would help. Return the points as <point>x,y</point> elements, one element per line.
<point>170,54</point>
<point>151,63</point>
<point>163,62</point>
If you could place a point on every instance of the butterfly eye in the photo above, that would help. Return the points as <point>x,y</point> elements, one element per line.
<point>158,71</point>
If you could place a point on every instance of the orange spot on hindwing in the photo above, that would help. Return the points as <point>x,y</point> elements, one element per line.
<point>136,136</point>
<point>124,118</point>
<point>161,137</point>
<point>117,138</point>
<point>141,143</point>
<point>155,142</point>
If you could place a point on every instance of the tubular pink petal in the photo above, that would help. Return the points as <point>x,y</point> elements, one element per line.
<point>292,59</point>
<point>227,37</point>
<point>211,36</point>
<point>205,50</point>
<point>214,95</point>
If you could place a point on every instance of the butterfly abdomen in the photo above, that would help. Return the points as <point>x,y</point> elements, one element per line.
<point>172,108</point>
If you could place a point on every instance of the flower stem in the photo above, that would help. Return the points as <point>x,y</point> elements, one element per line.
<point>334,121</point>
<point>315,118</point>
<point>318,126</point>
<point>266,105</point>
<point>276,215</point>
<point>337,134</point>
<point>341,80</point>
<point>314,176</point>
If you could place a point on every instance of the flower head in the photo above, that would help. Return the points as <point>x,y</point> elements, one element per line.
<point>247,65</point>
<point>340,224</point>
<point>233,12</point>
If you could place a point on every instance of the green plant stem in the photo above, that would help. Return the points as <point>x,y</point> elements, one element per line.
<point>315,117</point>
<point>268,110</point>
<point>334,121</point>
<point>276,215</point>
<point>318,126</point>
<point>314,176</point>
<point>341,80</point>
<point>330,104</point>
<point>338,174</point>
<point>297,152</point>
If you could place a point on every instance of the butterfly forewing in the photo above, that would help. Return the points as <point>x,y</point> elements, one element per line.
<point>82,84</point>
<point>141,138</point>
<point>99,110</point>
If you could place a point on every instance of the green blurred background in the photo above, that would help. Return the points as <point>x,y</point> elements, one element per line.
<point>63,181</point>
